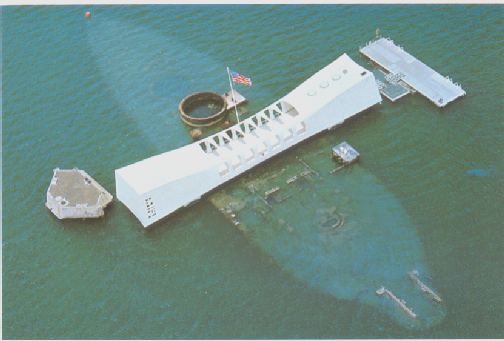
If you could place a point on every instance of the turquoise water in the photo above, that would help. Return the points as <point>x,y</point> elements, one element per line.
<point>102,93</point>
<point>343,234</point>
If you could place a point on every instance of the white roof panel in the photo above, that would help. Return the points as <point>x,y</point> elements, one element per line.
<point>325,85</point>
<point>163,168</point>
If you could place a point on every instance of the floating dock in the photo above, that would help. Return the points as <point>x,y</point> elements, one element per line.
<point>404,67</point>
<point>413,275</point>
<point>400,302</point>
<point>167,182</point>
<point>74,194</point>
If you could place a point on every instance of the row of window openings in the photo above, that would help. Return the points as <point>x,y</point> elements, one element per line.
<point>213,147</point>
<point>225,168</point>
<point>229,135</point>
<point>242,126</point>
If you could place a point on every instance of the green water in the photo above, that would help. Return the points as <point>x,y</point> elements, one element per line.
<point>203,111</point>
<point>372,243</point>
<point>102,93</point>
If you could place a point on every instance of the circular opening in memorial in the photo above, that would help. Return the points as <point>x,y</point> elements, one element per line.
<point>203,109</point>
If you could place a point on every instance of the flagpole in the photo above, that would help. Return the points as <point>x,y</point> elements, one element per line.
<point>232,94</point>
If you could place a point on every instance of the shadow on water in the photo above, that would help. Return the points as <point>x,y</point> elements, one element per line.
<point>149,78</point>
<point>343,234</point>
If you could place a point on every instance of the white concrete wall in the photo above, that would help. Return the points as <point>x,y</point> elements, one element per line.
<point>129,197</point>
<point>178,194</point>
<point>358,98</point>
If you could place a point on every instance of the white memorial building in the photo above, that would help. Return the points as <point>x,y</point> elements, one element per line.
<point>157,186</point>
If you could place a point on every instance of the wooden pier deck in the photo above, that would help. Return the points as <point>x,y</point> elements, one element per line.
<point>438,89</point>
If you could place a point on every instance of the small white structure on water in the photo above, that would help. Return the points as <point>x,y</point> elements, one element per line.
<point>406,68</point>
<point>233,96</point>
<point>157,186</point>
<point>74,194</point>
<point>345,153</point>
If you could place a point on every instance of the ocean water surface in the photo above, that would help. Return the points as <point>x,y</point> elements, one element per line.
<point>102,93</point>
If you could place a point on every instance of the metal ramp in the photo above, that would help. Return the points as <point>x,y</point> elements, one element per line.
<point>390,85</point>
<point>438,89</point>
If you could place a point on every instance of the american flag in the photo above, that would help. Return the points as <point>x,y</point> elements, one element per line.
<point>240,79</point>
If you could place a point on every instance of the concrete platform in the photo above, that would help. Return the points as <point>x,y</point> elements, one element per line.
<point>74,194</point>
<point>237,96</point>
<point>438,89</point>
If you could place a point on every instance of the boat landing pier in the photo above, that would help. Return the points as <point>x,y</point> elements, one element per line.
<point>406,68</point>
<point>72,193</point>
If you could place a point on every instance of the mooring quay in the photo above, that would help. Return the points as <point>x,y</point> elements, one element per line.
<point>404,67</point>
<point>159,185</point>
